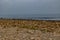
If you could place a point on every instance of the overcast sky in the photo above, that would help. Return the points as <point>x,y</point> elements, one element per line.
<point>24,7</point>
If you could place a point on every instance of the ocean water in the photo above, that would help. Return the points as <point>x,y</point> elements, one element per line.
<point>33,16</point>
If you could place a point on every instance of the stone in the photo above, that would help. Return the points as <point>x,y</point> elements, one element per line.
<point>32,38</point>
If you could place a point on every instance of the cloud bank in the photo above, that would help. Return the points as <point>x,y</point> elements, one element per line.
<point>23,7</point>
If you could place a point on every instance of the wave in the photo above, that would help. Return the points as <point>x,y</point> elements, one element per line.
<point>43,18</point>
<point>35,18</point>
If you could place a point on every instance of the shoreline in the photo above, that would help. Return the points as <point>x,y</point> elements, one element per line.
<point>32,20</point>
<point>29,19</point>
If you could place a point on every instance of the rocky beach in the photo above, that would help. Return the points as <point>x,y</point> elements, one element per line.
<point>14,29</point>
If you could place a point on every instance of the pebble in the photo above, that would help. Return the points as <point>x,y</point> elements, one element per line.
<point>32,38</point>
<point>25,34</point>
<point>0,36</point>
<point>31,31</point>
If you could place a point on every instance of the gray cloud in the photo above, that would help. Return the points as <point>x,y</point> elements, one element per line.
<point>23,7</point>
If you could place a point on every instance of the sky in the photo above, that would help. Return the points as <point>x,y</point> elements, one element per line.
<point>29,7</point>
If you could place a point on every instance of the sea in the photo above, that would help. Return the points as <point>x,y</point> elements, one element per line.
<point>32,16</point>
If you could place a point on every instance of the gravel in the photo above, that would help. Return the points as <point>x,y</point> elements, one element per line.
<point>15,33</point>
